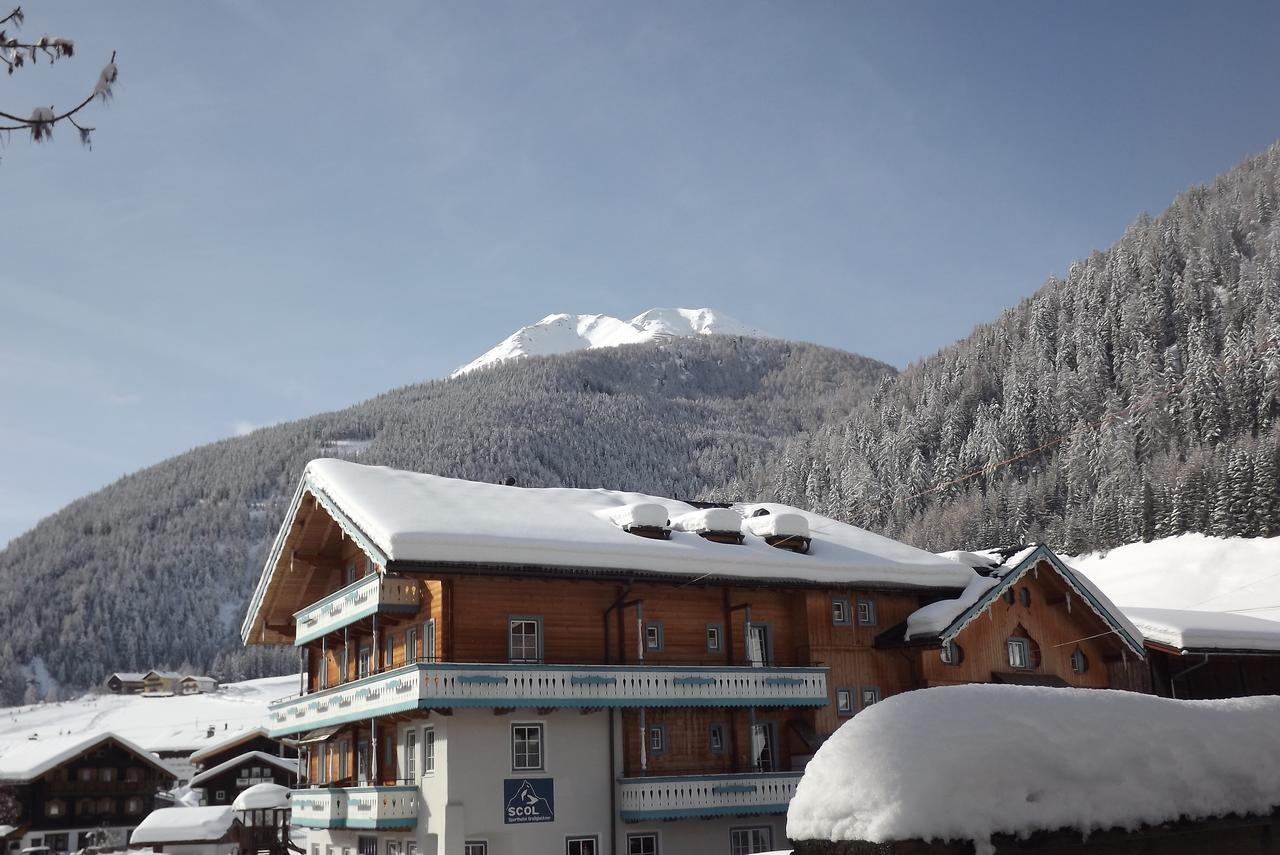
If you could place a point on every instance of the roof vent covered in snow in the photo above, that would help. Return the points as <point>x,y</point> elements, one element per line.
<point>783,530</point>
<point>644,519</point>
<point>719,524</point>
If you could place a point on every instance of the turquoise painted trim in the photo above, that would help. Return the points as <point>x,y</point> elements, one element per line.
<point>697,681</point>
<point>745,776</point>
<point>370,548</point>
<point>351,618</point>
<point>316,823</point>
<point>372,580</point>
<point>360,790</point>
<point>482,680</point>
<point>783,681</point>
<point>382,823</point>
<point>686,813</point>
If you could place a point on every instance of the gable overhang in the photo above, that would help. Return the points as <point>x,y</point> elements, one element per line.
<point>254,620</point>
<point>1072,580</point>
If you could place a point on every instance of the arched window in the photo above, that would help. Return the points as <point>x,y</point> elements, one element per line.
<point>1008,595</point>
<point>1079,662</point>
<point>952,653</point>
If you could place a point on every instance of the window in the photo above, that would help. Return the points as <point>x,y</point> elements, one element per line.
<point>54,807</point>
<point>86,774</point>
<point>653,636</point>
<point>840,612</point>
<point>870,695</point>
<point>642,844</point>
<point>429,640</point>
<point>85,807</point>
<point>844,701</point>
<point>366,845</point>
<point>411,755</point>
<point>133,774</point>
<point>1024,595</point>
<point>1008,595</point>
<point>867,612</point>
<point>952,653</point>
<point>475,847</point>
<point>526,747</point>
<point>108,774</point>
<point>525,639</point>
<point>390,654</point>
<point>410,848</point>
<point>351,571</point>
<point>582,845</point>
<point>106,805</point>
<point>762,753</point>
<point>57,842</point>
<point>1018,657</point>
<point>713,638</point>
<point>393,847</point>
<point>411,644</point>
<point>717,739</point>
<point>657,739</point>
<point>133,805</point>
<point>344,753</point>
<point>1079,662</point>
<point>428,750</point>
<point>744,841</point>
<point>220,795</point>
<point>364,662</point>
<point>388,753</point>
<point>315,849</point>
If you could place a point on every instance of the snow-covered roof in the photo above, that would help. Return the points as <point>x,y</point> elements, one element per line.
<point>1185,629</point>
<point>27,759</point>
<point>174,824</point>
<point>408,516</point>
<point>1192,571</point>
<point>1085,759</point>
<point>128,676</point>
<point>288,764</point>
<point>164,675</point>
<point>262,797</point>
<point>946,618</point>
<point>221,745</point>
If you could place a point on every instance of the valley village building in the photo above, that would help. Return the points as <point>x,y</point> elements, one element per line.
<point>493,670</point>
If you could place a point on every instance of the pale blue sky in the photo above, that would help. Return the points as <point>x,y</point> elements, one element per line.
<point>293,206</point>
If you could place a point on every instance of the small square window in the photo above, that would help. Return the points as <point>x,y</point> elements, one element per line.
<point>717,739</point>
<point>582,846</point>
<point>840,612</point>
<point>713,638</point>
<point>642,844</point>
<point>475,847</point>
<point>870,695</point>
<point>867,612</point>
<point>657,739</point>
<point>526,747</point>
<point>1079,662</point>
<point>653,636</point>
<point>844,701</point>
<point>220,795</point>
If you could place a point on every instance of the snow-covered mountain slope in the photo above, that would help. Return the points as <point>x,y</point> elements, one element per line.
<point>1192,571</point>
<point>566,333</point>
<point>157,724</point>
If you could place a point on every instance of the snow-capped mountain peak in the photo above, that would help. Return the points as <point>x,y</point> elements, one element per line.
<point>561,333</point>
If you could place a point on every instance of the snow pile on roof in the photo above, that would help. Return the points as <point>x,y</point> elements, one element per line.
<point>287,764</point>
<point>561,333</point>
<point>169,825</point>
<point>931,620</point>
<point>178,723</point>
<point>643,514</point>
<point>708,519</point>
<point>22,759</point>
<point>414,517</point>
<point>262,797</point>
<point>778,525</point>
<point>1046,759</point>
<point>1193,630</point>
<point>984,559</point>
<point>1192,571</point>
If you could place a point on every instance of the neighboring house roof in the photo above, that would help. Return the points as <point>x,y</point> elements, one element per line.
<point>27,759</point>
<point>237,738</point>
<point>127,677</point>
<point>180,824</point>
<point>1188,631</point>
<point>199,678</point>
<point>942,621</point>
<point>164,675</point>
<point>287,764</point>
<point>398,516</point>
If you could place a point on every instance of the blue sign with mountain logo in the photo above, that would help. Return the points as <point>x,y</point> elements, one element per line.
<point>529,800</point>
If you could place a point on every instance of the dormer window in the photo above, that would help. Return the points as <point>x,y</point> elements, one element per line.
<point>721,525</point>
<point>781,530</point>
<point>643,519</point>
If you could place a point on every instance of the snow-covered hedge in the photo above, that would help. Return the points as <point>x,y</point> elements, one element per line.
<point>969,762</point>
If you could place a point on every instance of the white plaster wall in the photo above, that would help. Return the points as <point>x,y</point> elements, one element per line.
<point>700,836</point>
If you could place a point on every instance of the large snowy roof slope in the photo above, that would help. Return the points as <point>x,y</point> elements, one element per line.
<point>288,764</point>
<point>416,517</point>
<point>26,759</point>
<point>1086,759</point>
<point>1186,629</point>
<point>174,824</point>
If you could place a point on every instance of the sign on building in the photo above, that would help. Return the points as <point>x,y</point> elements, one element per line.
<point>529,800</point>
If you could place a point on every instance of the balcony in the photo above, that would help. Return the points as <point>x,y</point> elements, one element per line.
<point>494,686</point>
<point>362,598</point>
<point>356,807</point>
<point>679,796</point>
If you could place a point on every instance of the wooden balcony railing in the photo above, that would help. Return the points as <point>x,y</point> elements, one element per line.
<point>676,796</point>
<point>362,598</point>
<point>355,807</point>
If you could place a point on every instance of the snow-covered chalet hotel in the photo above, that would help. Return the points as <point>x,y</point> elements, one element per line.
<point>492,670</point>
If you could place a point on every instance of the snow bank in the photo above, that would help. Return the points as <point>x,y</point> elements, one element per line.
<point>1043,759</point>
<point>932,619</point>
<point>169,825</point>
<point>778,525</point>
<point>645,514</point>
<point>708,519</point>
<point>1196,630</point>
<point>410,516</point>
<point>262,797</point>
<point>1192,571</point>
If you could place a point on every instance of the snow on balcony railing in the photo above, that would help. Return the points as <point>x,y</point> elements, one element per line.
<point>448,685</point>
<point>360,599</point>
<point>672,797</point>
<point>355,807</point>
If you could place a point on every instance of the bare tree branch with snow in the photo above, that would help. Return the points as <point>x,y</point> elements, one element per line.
<point>16,53</point>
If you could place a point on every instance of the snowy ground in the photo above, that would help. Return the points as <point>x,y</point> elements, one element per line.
<point>1235,574</point>
<point>156,724</point>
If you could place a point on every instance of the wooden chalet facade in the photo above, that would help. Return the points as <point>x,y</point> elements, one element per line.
<point>125,683</point>
<point>70,789</point>
<point>232,765</point>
